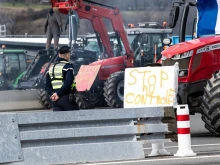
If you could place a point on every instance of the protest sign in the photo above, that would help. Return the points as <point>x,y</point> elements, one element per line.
<point>86,76</point>
<point>150,87</point>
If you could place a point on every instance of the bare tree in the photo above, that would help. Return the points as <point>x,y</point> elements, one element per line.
<point>15,23</point>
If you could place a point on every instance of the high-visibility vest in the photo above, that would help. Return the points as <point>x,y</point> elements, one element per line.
<point>56,74</point>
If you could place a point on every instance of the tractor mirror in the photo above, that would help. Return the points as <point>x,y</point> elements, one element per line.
<point>174,15</point>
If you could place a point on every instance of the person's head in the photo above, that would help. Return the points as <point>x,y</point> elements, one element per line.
<point>70,11</point>
<point>64,52</point>
<point>51,11</point>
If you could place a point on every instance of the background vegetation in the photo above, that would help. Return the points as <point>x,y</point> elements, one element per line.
<point>28,16</point>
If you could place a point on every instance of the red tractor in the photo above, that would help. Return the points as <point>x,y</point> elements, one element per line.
<point>110,78</point>
<point>199,63</point>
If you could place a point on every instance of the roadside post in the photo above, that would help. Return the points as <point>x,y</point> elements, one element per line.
<point>183,127</point>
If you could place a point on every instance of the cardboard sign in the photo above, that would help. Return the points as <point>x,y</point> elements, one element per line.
<point>150,87</point>
<point>86,76</point>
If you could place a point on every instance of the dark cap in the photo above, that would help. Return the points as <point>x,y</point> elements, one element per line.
<point>64,50</point>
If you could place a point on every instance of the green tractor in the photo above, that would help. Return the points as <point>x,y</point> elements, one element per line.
<point>13,65</point>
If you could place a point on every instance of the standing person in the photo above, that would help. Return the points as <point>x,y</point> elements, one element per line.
<point>53,28</point>
<point>73,21</point>
<point>59,79</point>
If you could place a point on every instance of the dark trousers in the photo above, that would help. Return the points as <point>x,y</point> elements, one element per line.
<point>63,104</point>
<point>50,36</point>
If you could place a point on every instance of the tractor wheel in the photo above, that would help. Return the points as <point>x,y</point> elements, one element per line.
<point>44,99</point>
<point>210,106</point>
<point>86,100</point>
<point>114,90</point>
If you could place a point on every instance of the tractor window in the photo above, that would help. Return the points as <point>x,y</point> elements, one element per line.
<point>22,61</point>
<point>116,50</point>
<point>92,45</point>
<point>133,41</point>
<point>12,65</point>
<point>131,38</point>
<point>152,46</point>
<point>157,44</point>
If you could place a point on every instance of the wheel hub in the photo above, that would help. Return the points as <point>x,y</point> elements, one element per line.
<point>120,90</point>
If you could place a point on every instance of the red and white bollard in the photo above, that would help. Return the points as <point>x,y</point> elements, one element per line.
<point>183,130</point>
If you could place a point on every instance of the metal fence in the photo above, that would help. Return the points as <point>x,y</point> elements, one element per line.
<point>79,136</point>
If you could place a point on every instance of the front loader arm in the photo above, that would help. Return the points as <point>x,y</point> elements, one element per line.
<point>96,12</point>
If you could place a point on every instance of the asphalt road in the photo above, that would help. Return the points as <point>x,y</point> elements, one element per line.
<point>206,145</point>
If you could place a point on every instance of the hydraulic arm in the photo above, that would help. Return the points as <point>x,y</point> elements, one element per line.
<point>95,12</point>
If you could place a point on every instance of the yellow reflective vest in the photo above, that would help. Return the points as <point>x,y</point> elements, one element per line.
<point>56,74</point>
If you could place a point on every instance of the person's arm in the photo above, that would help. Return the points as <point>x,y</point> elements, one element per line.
<point>46,24</point>
<point>67,22</point>
<point>66,87</point>
<point>48,85</point>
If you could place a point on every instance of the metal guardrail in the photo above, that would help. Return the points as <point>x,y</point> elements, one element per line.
<point>35,36</point>
<point>79,136</point>
<point>15,100</point>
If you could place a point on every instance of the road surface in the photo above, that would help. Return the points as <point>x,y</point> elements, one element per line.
<point>206,145</point>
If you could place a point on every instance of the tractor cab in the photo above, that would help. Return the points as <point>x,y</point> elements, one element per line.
<point>146,42</point>
<point>13,64</point>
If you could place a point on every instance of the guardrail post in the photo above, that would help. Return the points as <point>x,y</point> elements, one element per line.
<point>10,146</point>
<point>183,128</point>
<point>170,120</point>
<point>158,149</point>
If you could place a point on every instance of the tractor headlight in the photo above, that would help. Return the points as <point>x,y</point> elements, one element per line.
<point>183,73</point>
<point>183,55</point>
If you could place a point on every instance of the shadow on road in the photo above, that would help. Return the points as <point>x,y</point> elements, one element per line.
<point>206,134</point>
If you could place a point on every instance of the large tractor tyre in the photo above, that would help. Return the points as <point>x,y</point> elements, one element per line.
<point>210,107</point>
<point>44,99</point>
<point>86,100</point>
<point>208,126</point>
<point>72,99</point>
<point>114,90</point>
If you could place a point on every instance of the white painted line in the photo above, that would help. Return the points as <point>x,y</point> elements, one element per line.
<point>155,160</point>
<point>202,145</point>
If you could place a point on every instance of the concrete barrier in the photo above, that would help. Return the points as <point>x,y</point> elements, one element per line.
<point>16,100</point>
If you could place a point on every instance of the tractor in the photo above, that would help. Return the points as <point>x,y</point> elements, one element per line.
<point>13,65</point>
<point>140,48</point>
<point>199,62</point>
<point>147,43</point>
<point>34,77</point>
